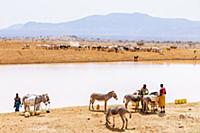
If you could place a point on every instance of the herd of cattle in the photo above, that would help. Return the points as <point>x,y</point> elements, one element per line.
<point>98,47</point>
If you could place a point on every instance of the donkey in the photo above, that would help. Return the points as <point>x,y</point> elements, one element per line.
<point>102,97</point>
<point>152,99</point>
<point>35,100</point>
<point>132,98</point>
<point>122,113</point>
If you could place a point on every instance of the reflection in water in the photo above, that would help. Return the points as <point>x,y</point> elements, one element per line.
<point>72,84</point>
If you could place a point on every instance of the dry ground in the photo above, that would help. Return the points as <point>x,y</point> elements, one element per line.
<point>11,52</point>
<point>179,118</point>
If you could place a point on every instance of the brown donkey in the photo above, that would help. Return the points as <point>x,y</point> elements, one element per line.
<point>102,97</point>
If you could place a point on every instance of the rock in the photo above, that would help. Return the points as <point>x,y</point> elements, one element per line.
<point>37,112</point>
<point>88,119</point>
<point>181,127</point>
<point>181,116</point>
<point>32,113</point>
<point>27,114</point>
<point>190,109</point>
<point>100,121</point>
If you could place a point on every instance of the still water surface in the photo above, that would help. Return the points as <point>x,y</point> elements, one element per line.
<point>72,84</point>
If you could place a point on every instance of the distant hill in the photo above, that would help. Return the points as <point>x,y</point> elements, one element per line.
<point>135,26</point>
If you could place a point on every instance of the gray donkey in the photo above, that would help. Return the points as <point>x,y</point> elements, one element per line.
<point>132,98</point>
<point>102,97</point>
<point>121,111</point>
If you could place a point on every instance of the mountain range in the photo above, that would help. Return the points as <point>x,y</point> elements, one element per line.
<point>131,26</point>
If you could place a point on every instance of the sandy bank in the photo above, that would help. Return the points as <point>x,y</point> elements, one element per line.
<point>179,118</point>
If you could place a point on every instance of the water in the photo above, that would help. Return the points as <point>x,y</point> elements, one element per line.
<point>72,84</point>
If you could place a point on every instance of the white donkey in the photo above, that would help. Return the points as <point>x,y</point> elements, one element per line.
<point>35,100</point>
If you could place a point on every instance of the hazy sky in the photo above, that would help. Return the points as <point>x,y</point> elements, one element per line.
<point>22,11</point>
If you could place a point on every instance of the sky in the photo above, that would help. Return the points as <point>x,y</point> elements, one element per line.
<point>54,11</point>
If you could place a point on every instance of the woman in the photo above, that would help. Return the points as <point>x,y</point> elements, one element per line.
<point>162,98</point>
<point>17,103</point>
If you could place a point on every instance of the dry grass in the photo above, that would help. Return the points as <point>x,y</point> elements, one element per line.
<point>11,52</point>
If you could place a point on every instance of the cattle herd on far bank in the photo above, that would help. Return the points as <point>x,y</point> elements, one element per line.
<point>97,47</point>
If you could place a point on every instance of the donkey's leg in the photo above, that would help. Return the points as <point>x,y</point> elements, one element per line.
<point>126,123</point>
<point>90,104</point>
<point>107,119</point>
<point>123,120</point>
<point>146,107</point>
<point>151,107</point>
<point>24,108</point>
<point>34,108</point>
<point>93,104</point>
<point>105,106</point>
<point>37,107</point>
<point>137,106</point>
<point>126,104</point>
<point>29,108</point>
<point>113,121</point>
<point>143,106</point>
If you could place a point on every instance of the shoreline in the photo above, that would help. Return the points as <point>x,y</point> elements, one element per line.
<point>86,106</point>
<point>145,61</point>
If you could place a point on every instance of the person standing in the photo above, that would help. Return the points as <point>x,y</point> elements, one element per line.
<point>162,98</point>
<point>17,102</point>
<point>143,91</point>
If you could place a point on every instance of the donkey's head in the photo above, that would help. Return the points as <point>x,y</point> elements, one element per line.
<point>45,99</point>
<point>114,95</point>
